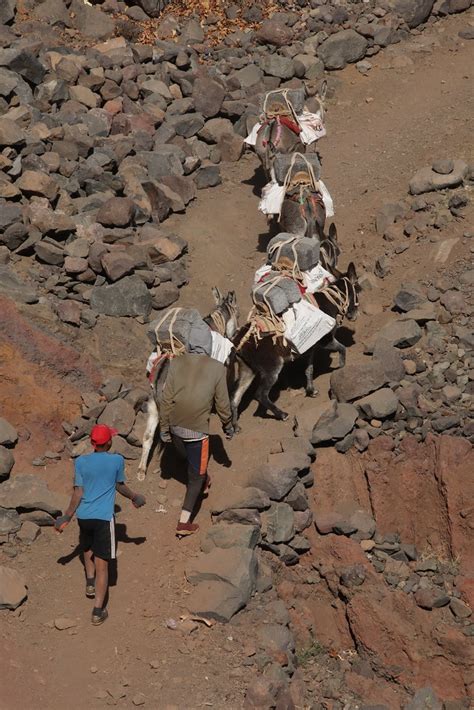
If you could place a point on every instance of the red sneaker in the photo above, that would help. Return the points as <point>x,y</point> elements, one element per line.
<point>183,529</point>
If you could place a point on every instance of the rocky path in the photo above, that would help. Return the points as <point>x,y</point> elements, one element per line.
<point>383,127</point>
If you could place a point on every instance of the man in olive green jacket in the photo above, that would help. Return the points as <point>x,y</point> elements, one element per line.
<point>194,384</point>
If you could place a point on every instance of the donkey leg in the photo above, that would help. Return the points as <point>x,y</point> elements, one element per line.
<point>151,425</point>
<point>267,380</point>
<point>311,390</point>
<point>334,346</point>
<point>245,378</point>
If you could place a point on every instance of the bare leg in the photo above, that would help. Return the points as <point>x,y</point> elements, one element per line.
<point>151,425</point>
<point>101,581</point>
<point>245,378</point>
<point>89,564</point>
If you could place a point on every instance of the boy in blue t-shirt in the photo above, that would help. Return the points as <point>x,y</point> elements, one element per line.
<point>97,477</point>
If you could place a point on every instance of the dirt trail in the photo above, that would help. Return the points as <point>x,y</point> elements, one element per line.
<point>416,113</point>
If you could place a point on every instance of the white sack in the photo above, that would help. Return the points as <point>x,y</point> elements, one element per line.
<point>305,325</point>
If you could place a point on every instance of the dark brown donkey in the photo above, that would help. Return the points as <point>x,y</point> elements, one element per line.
<point>303,212</point>
<point>267,356</point>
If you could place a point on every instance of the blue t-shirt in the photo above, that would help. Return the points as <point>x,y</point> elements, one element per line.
<point>97,474</point>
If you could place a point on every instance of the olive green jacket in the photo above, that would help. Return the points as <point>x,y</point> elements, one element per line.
<point>193,385</point>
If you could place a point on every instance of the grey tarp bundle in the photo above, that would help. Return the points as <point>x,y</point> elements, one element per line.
<point>290,251</point>
<point>276,292</point>
<point>283,163</point>
<point>183,326</point>
<point>294,97</point>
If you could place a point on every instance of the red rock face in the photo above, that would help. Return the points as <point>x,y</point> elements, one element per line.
<point>423,492</point>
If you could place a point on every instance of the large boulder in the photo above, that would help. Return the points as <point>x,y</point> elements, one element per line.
<point>119,415</point>
<point>335,423</point>
<point>357,380</point>
<point>414,12</point>
<point>279,523</point>
<point>6,462</point>
<point>216,600</point>
<point>7,11</point>
<point>342,48</point>
<point>279,476</point>
<point>10,133</point>
<point>116,212</point>
<point>12,287</point>
<point>400,334</point>
<point>208,95</point>
<point>12,588</point>
<point>379,405</point>
<point>9,521</point>
<point>8,434</point>
<point>236,566</point>
<point>236,535</point>
<point>234,498</point>
<point>127,297</point>
<point>28,492</point>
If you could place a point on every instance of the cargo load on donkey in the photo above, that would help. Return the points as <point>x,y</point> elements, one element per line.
<point>281,310</point>
<point>297,258</point>
<point>287,107</point>
<point>184,330</point>
<point>295,177</point>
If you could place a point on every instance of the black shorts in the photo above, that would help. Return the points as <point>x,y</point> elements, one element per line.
<point>98,536</point>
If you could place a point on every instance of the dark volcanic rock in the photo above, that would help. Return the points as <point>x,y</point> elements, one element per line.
<point>127,297</point>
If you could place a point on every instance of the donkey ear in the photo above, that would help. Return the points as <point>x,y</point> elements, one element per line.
<point>332,234</point>
<point>232,298</point>
<point>322,91</point>
<point>217,295</point>
<point>351,273</point>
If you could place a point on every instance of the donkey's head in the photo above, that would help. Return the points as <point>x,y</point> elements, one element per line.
<point>225,315</point>
<point>353,290</point>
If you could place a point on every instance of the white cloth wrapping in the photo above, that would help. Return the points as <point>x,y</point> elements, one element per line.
<point>312,127</point>
<point>262,272</point>
<point>311,124</point>
<point>327,199</point>
<point>221,347</point>
<point>317,278</point>
<point>151,361</point>
<point>252,136</point>
<point>273,195</point>
<point>305,324</point>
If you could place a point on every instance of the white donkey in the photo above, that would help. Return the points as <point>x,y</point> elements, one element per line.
<point>224,320</point>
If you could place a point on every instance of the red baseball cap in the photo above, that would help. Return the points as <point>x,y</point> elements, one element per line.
<point>101,434</point>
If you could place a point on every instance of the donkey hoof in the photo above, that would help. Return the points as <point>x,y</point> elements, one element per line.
<point>283,416</point>
<point>312,393</point>
<point>140,475</point>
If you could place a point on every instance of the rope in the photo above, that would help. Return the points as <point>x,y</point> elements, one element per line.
<point>177,347</point>
<point>290,110</point>
<point>312,177</point>
<point>277,247</point>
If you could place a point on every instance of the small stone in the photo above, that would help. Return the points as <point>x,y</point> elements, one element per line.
<point>460,609</point>
<point>62,623</point>
<point>443,167</point>
<point>139,699</point>
<point>367,545</point>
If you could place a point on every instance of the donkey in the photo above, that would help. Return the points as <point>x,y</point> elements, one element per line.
<point>266,357</point>
<point>303,212</point>
<point>280,133</point>
<point>224,320</point>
